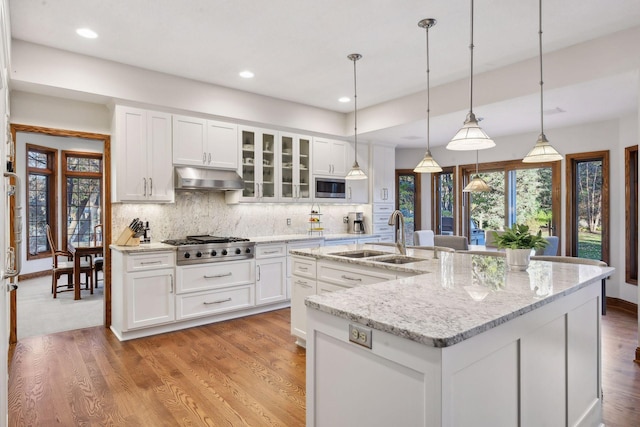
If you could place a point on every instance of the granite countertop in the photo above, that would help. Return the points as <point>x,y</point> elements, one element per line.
<point>144,247</point>
<point>461,296</point>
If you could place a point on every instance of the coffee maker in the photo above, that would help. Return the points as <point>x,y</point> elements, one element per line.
<point>356,223</point>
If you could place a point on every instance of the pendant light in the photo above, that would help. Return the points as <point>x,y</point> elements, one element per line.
<point>477,184</point>
<point>470,136</point>
<point>542,151</point>
<point>355,172</point>
<point>428,164</point>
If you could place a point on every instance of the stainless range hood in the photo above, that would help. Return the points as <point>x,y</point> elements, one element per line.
<point>190,178</point>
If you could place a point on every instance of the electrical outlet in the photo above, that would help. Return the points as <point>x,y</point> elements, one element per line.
<point>345,219</point>
<point>360,335</point>
<point>288,221</point>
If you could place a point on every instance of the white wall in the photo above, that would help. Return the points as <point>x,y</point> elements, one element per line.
<point>612,135</point>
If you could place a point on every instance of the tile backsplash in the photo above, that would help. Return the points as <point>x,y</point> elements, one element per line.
<point>208,213</point>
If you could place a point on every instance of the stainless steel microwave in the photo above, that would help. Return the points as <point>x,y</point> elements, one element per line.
<point>330,188</point>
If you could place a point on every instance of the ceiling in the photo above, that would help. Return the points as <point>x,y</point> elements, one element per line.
<point>298,49</point>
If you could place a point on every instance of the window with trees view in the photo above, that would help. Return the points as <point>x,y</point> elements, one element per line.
<point>520,193</point>
<point>588,205</point>
<point>408,200</point>
<point>81,195</point>
<point>41,198</point>
<point>443,206</point>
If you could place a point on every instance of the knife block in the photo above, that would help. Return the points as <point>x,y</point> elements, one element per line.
<point>126,238</point>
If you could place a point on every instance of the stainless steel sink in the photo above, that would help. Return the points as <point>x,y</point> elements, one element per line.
<point>398,259</point>
<point>360,253</point>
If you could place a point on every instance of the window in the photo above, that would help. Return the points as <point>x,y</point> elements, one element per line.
<point>408,191</point>
<point>631,214</point>
<point>81,195</point>
<point>521,193</point>
<point>41,199</point>
<point>443,193</point>
<point>588,205</point>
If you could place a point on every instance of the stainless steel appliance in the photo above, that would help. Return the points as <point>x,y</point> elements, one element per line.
<point>330,188</point>
<point>204,249</point>
<point>356,223</point>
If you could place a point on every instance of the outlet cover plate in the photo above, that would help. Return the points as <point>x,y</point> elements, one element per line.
<point>360,335</point>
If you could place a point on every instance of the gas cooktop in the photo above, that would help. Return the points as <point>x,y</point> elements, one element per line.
<point>204,239</point>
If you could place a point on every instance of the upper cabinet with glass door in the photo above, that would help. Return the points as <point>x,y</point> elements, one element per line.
<point>295,174</point>
<point>259,165</point>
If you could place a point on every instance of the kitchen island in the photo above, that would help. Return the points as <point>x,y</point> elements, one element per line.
<point>462,342</point>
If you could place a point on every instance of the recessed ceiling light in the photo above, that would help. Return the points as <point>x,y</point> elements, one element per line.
<point>246,74</point>
<point>87,33</point>
<point>344,99</point>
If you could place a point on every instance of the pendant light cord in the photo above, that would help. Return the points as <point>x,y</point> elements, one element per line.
<point>541,81</point>
<point>355,110</point>
<point>428,94</point>
<point>471,78</point>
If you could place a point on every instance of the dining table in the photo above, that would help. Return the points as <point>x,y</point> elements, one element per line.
<point>79,251</point>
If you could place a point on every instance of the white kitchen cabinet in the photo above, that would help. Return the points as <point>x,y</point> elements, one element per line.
<point>357,190</point>
<point>295,168</point>
<point>271,283</point>
<point>260,165</point>
<point>329,157</point>
<point>380,224</point>
<point>383,173</point>
<point>303,285</point>
<point>143,290</point>
<point>208,303</point>
<point>143,170</point>
<point>205,143</point>
<point>301,244</point>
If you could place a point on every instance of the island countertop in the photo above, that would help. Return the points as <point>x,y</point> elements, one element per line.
<point>452,297</point>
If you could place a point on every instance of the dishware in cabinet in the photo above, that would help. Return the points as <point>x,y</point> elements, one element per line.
<point>295,175</point>
<point>259,164</point>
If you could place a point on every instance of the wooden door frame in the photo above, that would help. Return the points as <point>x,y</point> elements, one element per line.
<point>106,212</point>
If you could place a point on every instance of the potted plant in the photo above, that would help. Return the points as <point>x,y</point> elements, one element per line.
<point>518,242</point>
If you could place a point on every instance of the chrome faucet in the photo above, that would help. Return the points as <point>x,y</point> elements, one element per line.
<point>400,241</point>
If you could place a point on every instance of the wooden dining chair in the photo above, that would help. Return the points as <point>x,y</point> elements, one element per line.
<point>61,268</point>
<point>98,260</point>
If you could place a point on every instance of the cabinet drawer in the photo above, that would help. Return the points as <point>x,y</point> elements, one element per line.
<point>307,286</point>
<point>381,218</point>
<point>271,251</point>
<point>324,288</point>
<point>304,268</point>
<point>151,260</point>
<point>214,275</point>
<point>350,277</point>
<point>219,301</point>
<point>383,228</point>
<point>383,209</point>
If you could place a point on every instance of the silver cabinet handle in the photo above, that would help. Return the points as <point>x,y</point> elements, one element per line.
<point>349,193</point>
<point>150,262</point>
<point>258,273</point>
<point>272,252</point>
<point>209,161</point>
<point>150,187</point>
<point>303,284</point>
<point>171,288</point>
<point>355,279</point>
<point>215,276</point>
<point>145,187</point>
<point>13,268</point>
<point>220,301</point>
<point>303,269</point>
<point>204,158</point>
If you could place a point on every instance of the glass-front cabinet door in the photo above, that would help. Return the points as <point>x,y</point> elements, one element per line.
<point>259,164</point>
<point>295,171</point>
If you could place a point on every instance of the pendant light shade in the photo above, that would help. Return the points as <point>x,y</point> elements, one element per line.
<point>477,184</point>
<point>542,151</point>
<point>428,163</point>
<point>470,136</point>
<point>355,172</point>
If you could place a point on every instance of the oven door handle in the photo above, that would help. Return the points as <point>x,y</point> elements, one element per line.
<point>216,276</point>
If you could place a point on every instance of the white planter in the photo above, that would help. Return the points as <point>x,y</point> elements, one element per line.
<point>518,259</point>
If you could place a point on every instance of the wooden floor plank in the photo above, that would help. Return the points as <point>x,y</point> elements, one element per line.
<point>244,372</point>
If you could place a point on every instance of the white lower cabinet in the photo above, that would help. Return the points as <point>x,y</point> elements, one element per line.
<point>206,303</point>
<point>312,277</point>
<point>271,264</point>
<point>143,290</point>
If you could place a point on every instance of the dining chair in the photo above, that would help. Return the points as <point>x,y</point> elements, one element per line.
<point>61,268</point>
<point>423,238</point>
<point>552,247</point>
<point>577,260</point>
<point>459,243</point>
<point>98,260</point>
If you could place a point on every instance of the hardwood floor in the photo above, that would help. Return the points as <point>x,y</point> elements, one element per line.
<point>241,372</point>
